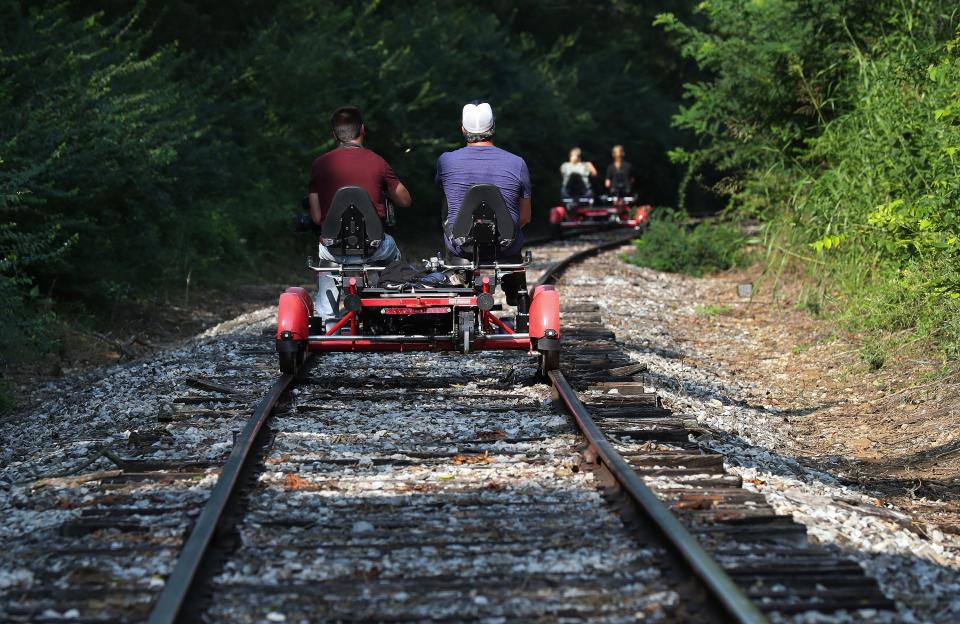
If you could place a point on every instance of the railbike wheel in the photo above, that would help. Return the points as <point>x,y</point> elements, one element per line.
<point>548,361</point>
<point>288,361</point>
<point>465,331</point>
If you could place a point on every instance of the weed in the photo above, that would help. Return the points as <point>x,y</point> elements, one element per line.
<point>874,354</point>
<point>811,300</point>
<point>844,143</point>
<point>711,309</point>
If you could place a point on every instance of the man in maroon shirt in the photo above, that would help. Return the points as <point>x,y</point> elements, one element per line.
<point>351,164</point>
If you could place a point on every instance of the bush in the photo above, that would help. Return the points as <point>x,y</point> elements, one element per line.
<point>670,245</point>
<point>7,400</point>
<point>100,152</point>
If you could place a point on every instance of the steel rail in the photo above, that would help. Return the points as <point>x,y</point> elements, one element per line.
<point>555,269</point>
<point>716,580</point>
<point>181,582</point>
<point>550,238</point>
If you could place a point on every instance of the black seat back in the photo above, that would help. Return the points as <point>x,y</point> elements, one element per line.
<point>576,186</point>
<point>483,225</point>
<point>352,227</point>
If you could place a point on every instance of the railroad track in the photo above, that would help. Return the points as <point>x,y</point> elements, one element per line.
<point>430,486</point>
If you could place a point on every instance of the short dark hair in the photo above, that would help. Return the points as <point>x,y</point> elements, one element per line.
<point>476,137</point>
<point>346,123</point>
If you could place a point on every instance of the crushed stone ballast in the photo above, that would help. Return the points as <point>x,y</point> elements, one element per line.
<point>398,486</point>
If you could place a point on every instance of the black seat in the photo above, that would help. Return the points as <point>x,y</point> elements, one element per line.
<point>621,188</point>
<point>483,226</point>
<point>575,187</point>
<point>352,227</point>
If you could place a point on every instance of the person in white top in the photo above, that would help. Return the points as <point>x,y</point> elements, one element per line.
<point>576,176</point>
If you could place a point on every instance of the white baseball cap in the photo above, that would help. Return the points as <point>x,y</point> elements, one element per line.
<point>477,118</point>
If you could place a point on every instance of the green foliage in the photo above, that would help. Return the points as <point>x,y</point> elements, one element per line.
<point>812,300</point>
<point>103,163</point>
<point>837,124</point>
<point>670,245</point>
<point>25,320</point>
<point>874,354</point>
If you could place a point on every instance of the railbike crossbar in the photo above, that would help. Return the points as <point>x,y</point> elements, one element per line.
<point>424,338</point>
<point>515,342</point>
<point>346,268</point>
<point>719,584</point>
<point>496,266</point>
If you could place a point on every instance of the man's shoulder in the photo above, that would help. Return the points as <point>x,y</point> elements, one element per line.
<point>505,153</point>
<point>453,154</point>
<point>372,155</point>
<point>326,158</point>
<point>509,156</point>
<point>468,154</point>
<point>338,153</point>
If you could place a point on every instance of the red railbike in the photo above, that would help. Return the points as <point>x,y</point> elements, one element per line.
<point>578,213</point>
<point>460,313</point>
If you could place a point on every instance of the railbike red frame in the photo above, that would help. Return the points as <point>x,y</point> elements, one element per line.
<point>619,212</point>
<point>350,334</point>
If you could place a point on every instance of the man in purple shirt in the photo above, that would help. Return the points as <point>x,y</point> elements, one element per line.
<point>480,162</point>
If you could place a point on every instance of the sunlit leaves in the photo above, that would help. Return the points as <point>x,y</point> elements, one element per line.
<point>828,242</point>
<point>839,124</point>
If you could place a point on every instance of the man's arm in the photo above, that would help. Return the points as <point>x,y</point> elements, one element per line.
<point>400,196</point>
<point>526,191</point>
<point>526,211</point>
<point>394,188</point>
<point>591,169</point>
<point>315,213</point>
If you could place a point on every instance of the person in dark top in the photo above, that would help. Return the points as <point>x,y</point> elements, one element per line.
<point>619,179</point>
<point>351,164</point>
